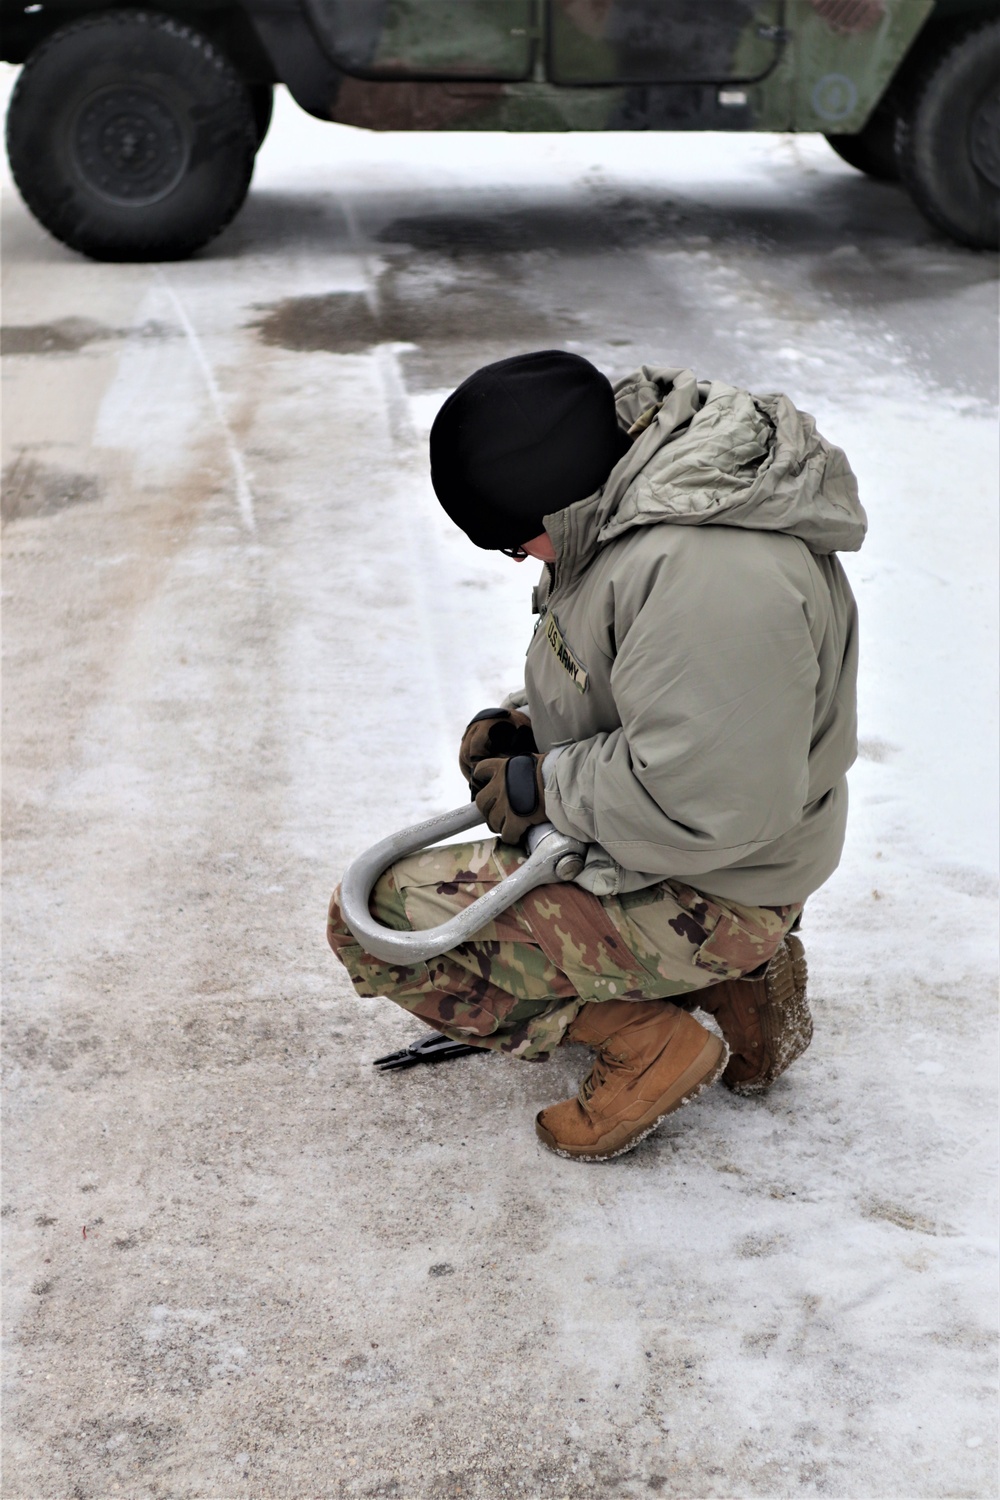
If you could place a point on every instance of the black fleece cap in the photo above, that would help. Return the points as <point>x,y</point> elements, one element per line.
<point>520,439</point>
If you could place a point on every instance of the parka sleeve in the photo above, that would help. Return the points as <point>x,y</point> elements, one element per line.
<point>715,687</point>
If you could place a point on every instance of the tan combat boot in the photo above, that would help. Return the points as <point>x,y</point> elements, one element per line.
<point>651,1058</point>
<point>766,1021</point>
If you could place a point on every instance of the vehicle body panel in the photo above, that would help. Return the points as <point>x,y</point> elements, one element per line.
<point>759,65</point>
<point>427,39</point>
<point>540,65</point>
<point>636,41</point>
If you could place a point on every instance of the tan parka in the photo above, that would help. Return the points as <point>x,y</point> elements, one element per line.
<point>695,661</point>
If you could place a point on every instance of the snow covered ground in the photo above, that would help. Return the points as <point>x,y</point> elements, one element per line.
<point>241,644</point>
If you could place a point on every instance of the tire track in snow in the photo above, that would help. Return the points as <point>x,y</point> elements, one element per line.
<point>453,694</point>
<point>241,481</point>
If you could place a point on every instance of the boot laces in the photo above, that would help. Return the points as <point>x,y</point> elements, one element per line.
<point>605,1064</point>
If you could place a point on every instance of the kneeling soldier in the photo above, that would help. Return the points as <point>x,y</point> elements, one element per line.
<point>689,711</point>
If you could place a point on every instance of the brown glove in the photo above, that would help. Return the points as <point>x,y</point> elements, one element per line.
<point>511,794</point>
<point>494,731</point>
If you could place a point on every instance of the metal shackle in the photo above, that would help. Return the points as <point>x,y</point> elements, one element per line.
<point>552,857</point>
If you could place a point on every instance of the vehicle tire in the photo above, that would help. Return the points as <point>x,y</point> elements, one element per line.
<point>873,149</point>
<point>262,104</point>
<point>948,141</point>
<point>131,137</point>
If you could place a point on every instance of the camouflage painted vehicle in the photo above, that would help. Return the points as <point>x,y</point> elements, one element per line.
<point>132,132</point>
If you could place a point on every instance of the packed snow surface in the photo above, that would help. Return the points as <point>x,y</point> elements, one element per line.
<point>240,1264</point>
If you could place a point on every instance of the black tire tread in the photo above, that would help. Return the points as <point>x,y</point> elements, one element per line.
<point>262,104</point>
<point>912,177</point>
<point>865,150</point>
<point>164,249</point>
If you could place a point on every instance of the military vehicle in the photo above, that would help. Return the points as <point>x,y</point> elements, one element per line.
<point>131,132</point>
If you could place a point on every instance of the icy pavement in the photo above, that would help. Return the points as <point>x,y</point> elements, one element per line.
<point>241,644</point>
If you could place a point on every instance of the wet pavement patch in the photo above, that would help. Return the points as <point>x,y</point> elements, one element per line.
<point>337,322</point>
<point>410,310</point>
<point>575,229</point>
<point>64,336</point>
<point>30,488</point>
<point>69,335</point>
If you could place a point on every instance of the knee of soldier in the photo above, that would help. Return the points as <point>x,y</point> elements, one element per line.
<point>338,934</point>
<point>385,904</point>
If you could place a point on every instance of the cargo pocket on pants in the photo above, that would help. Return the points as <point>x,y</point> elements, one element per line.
<point>740,943</point>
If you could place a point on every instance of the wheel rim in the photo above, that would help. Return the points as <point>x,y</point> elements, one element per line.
<point>984,139</point>
<point>128,145</point>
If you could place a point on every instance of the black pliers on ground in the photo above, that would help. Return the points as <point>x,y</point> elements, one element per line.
<point>429,1049</point>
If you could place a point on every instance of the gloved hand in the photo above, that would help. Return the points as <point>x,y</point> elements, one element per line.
<point>510,794</point>
<point>494,731</point>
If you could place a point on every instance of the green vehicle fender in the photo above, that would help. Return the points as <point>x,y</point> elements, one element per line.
<point>813,65</point>
<point>838,72</point>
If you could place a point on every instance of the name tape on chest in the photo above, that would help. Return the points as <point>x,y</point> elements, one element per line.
<point>564,655</point>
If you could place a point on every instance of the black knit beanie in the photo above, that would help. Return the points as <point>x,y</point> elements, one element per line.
<point>520,439</point>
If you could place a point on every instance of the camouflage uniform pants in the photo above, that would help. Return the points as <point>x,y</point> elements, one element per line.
<point>518,986</point>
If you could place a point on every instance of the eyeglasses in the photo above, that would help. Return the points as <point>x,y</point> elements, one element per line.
<point>517,553</point>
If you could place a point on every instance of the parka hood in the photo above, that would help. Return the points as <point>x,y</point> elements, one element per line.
<point>709,454</point>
